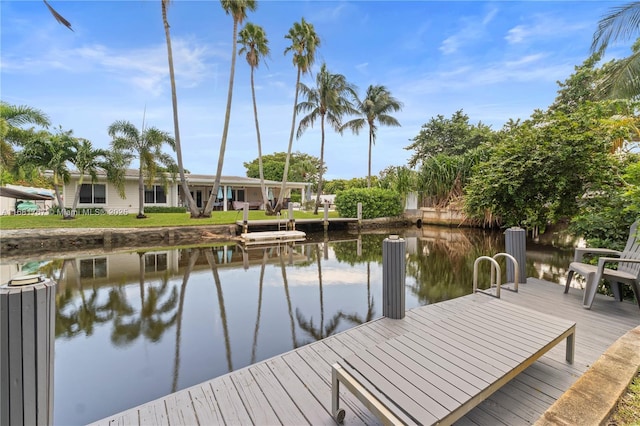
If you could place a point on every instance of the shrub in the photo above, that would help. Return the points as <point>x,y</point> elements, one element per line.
<point>157,209</point>
<point>376,202</point>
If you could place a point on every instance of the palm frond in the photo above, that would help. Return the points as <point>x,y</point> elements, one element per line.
<point>57,16</point>
<point>622,23</point>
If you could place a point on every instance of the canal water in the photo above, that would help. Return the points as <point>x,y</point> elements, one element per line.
<point>133,326</point>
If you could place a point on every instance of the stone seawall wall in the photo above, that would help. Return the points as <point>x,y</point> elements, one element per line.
<point>19,242</point>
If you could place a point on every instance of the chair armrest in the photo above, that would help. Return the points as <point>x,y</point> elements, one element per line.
<point>580,252</point>
<point>603,260</point>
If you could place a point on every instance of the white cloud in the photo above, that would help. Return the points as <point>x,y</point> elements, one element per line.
<point>143,68</point>
<point>472,30</point>
<point>541,27</point>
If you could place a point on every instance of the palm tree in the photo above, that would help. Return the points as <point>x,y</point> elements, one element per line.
<point>256,46</point>
<point>327,101</point>
<point>12,117</point>
<point>147,145</point>
<point>376,106</point>
<point>87,160</point>
<point>238,11</point>
<point>623,76</point>
<point>188,198</point>
<point>54,153</point>
<point>304,42</point>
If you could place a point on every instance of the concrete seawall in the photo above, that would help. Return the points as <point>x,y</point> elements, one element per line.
<point>19,242</point>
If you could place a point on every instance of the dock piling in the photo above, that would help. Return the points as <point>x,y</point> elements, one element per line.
<point>27,336</point>
<point>292,220</point>
<point>515,241</point>
<point>245,218</point>
<point>393,277</point>
<point>325,220</point>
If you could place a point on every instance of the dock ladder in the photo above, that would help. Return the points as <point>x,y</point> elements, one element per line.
<point>283,221</point>
<point>496,275</point>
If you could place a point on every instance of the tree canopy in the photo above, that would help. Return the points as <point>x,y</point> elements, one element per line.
<point>303,167</point>
<point>453,136</point>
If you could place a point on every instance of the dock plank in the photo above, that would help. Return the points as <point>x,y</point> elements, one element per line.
<point>282,404</point>
<point>256,403</point>
<point>204,405</point>
<point>231,405</point>
<point>521,401</point>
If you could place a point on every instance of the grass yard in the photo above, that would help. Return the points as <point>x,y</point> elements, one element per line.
<point>130,221</point>
<point>628,410</point>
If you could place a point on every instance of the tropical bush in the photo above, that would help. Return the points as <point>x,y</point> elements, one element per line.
<point>607,211</point>
<point>376,202</point>
<point>158,209</point>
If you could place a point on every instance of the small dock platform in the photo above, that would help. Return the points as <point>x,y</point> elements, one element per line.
<point>306,224</point>
<point>270,237</point>
<point>294,388</point>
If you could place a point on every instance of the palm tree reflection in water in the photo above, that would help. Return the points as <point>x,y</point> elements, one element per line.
<point>321,332</point>
<point>223,313</point>
<point>143,303</point>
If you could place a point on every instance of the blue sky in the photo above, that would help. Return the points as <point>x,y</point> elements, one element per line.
<point>494,60</point>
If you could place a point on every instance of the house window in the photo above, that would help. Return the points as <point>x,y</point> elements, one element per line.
<point>93,268</point>
<point>154,195</point>
<point>93,193</point>
<point>155,262</point>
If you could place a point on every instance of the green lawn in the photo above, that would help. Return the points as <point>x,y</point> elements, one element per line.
<point>130,221</point>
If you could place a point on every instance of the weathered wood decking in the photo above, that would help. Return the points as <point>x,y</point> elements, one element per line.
<point>271,237</point>
<point>295,388</point>
<point>307,224</point>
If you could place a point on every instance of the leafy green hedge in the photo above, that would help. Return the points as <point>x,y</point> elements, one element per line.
<point>155,209</point>
<point>376,202</point>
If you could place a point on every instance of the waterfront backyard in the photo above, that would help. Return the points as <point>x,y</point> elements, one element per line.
<point>155,321</point>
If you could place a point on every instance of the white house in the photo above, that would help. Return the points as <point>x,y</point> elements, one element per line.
<point>233,192</point>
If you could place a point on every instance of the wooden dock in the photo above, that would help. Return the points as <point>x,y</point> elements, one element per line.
<point>295,388</point>
<point>307,224</point>
<point>271,237</point>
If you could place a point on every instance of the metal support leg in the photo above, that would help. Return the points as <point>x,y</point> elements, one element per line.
<point>569,278</point>
<point>337,412</point>
<point>571,346</point>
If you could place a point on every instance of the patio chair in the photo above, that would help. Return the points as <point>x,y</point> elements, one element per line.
<point>628,271</point>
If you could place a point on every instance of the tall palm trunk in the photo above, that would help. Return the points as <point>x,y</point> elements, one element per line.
<point>267,206</point>
<point>56,191</point>
<point>319,191</point>
<point>140,193</point>
<point>370,147</point>
<point>227,116</point>
<point>76,196</point>
<point>285,174</point>
<point>191,204</point>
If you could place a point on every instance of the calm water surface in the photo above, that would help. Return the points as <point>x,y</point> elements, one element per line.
<point>134,326</point>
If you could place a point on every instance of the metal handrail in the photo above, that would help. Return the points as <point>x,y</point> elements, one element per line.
<point>516,270</point>
<point>495,268</point>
